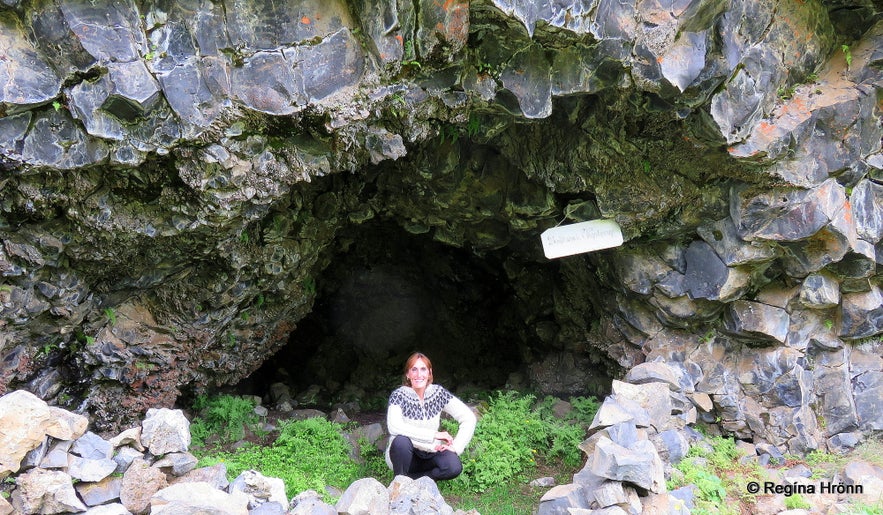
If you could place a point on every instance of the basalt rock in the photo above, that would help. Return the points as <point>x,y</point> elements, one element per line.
<point>193,191</point>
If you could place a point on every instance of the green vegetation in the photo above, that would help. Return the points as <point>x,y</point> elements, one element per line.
<point>718,475</point>
<point>516,439</point>
<point>847,54</point>
<point>513,434</point>
<point>796,502</point>
<point>111,316</point>
<point>223,419</point>
<point>308,454</point>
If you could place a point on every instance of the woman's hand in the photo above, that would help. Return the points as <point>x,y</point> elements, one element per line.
<point>446,439</point>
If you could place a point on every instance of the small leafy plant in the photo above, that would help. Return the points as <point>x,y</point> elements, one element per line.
<point>847,54</point>
<point>224,418</point>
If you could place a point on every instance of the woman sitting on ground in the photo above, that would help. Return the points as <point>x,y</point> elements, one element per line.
<point>416,446</point>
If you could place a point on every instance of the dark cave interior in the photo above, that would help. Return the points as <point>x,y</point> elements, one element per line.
<point>386,294</point>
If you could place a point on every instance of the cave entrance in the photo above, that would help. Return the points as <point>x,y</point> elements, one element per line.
<point>385,294</point>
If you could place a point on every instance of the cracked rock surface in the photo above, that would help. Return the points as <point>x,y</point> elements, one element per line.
<point>180,181</point>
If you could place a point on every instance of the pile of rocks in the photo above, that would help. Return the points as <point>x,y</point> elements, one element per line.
<point>645,427</point>
<point>60,467</point>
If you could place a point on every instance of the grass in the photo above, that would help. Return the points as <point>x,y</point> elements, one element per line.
<point>720,479</point>
<point>718,475</point>
<point>517,439</point>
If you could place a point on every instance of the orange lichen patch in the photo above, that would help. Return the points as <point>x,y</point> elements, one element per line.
<point>400,39</point>
<point>766,128</point>
<point>847,211</point>
<point>305,20</point>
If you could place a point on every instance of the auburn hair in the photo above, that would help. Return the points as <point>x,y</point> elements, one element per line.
<point>410,363</point>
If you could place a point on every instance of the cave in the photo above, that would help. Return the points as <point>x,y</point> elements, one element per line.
<point>387,293</point>
<point>309,202</point>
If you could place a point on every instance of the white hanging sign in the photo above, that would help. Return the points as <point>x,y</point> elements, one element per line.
<point>567,240</point>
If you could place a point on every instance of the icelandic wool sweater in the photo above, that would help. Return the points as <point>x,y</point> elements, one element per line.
<point>419,420</point>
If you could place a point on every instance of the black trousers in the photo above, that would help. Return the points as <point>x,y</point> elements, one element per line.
<point>414,463</point>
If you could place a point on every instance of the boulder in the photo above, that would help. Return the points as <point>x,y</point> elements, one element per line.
<point>189,498</point>
<point>562,500</point>
<point>308,502</point>
<point>413,497</point>
<point>177,463</point>
<point>100,492</point>
<point>165,430</point>
<point>259,489</point>
<point>25,421</point>
<point>364,497</point>
<point>45,491</point>
<point>638,464</point>
<point>140,483</point>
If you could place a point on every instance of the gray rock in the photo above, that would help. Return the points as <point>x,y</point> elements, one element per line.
<point>56,456</point>
<point>104,491</point>
<point>653,398</point>
<point>639,464</point>
<point>56,141</point>
<point>842,443</point>
<point>671,445</point>
<point>560,500</point>
<point>413,497</point>
<point>124,457</point>
<point>309,503</point>
<point>820,291</point>
<point>215,475</point>
<point>758,322</point>
<point>90,470</point>
<point>177,463</point>
<point>259,489</point>
<point>615,410</point>
<point>866,199</point>
<point>181,499</point>
<point>654,372</point>
<point>116,35</point>
<point>108,509</point>
<point>786,215</point>
<point>35,456</point>
<point>165,430</point>
<point>861,314</point>
<point>707,277</point>
<point>365,496</point>
<point>336,63</point>
<point>29,80</point>
<point>543,482</point>
<point>269,508</point>
<point>45,491</point>
<point>92,446</point>
<point>533,90</point>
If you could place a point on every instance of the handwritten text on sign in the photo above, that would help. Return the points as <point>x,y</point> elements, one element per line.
<point>567,240</point>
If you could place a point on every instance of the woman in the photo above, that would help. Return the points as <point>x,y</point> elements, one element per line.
<point>416,447</point>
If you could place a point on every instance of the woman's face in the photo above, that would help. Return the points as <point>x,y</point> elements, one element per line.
<point>419,374</point>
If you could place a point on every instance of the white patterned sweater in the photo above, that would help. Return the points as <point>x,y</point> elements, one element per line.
<point>419,420</point>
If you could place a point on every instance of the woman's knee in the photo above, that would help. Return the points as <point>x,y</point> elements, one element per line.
<point>449,465</point>
<point>401,444</point>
